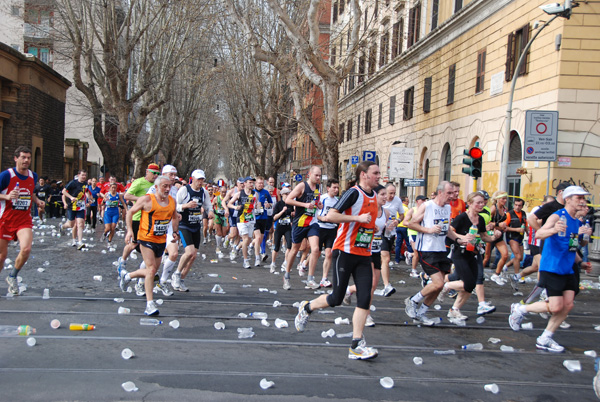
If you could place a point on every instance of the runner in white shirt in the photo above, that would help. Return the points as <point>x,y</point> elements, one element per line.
<point>395,212</point>
<point>327,231</point>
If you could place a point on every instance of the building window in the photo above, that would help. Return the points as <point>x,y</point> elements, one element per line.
<point>333,56</point>
<point>373,59</point>
<point>376,10</point>
<point>446,164</point>
<point>516,43</point>
<point>414,25</point>
<point>368,119</point>
<point>479,84</point>
<point>451,82</point>
<point>435,9</point>
<point>380,116</point>
<point>342,6</point>
<point>409,98</point>
<point>15,10</point>
<point>341,133</point>
<point>397,29</point>
<point>351,77</point>
<point>383,49</point>
<point>362,61</point>
<point>392,109</point>
<point>349,130</point>
<point>427,95</point>
<point>335,12</point>
<point>366,18</point>
<point>358,126</point>
<point>457,5</point>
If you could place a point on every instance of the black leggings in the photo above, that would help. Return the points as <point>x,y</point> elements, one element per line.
<point>285,231</point>
<point>465,269</point>
<point>91,216</point>
<point>357,266</point>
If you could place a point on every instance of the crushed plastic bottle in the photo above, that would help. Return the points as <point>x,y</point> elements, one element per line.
<point>242,315</point>
<point>266,384</point>
<point>159,302</point>
<point>480,320</point>
<point>259,315</point>
<point>245,333</point>
<point>386,382</point>
<point>590,353</point>
<point>265,323</point>
<point>150,321</point>
<point>219,326</point>
<point>123,310</point>
<point>572,365</point>
<point>129,386</point>
<point>506,348</point>
<point>417,361</point>
<point>46,294</point>
<point>263,290</point>
<point>340,321</point>
<point>276,303</point>
<point>328,334</point>
<point>345,335</point>
<point>217,289</point>
<point>494,340</point>
<point>174,324</point>
<point>458,322</point>
<point>527,325</point>
<point>493,388</point>
<point>473,346</point>
<point>119,300</point>
<point>279,323</point>
<point>41,270</point>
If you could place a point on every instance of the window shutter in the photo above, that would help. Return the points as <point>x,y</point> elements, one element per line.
<point>510,57</point>
<point>427,95</point>
<point>524,41</point>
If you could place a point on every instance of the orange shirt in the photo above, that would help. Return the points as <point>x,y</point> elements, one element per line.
<point>458,207</point>
<point>353,237</point>
<point>155,224</point>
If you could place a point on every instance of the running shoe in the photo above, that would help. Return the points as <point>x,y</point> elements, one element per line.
<point>455,313</point>
<point>140,289</point>
<point>220,254</point>
<point>80,246</point>
<point>414,274</point>
<point>407,258</point>
<point>515,318</point>
<point>176,280</point>
<point>483,309</point>
<point>362,352</point>
<point>257,262</point>
<point>411,307</point>
<point>565,325</point>
<point>388,290</point>
<point>251,246</point>
<point>522,280</point>
<point>286,284</point>
<point>424,279</point>
<point>442,295</point>
<point>423,319</point>
<point>232,255</point>
<point>549,344</point>
<point>301,270</point>
<point>514,282</point>
<point>182,287</point>
<point>325,283</point>
<point>302,318</point>
<point>74,243</point>
<point>452,294</point>
<point>369,322</point>
<point>123,280</point>
<point>105,236</point>
<point>151,308</point>
<point>226,243</point>
<point>162,287</point>
<point>264,257</point>
<point>204,241</point>
<point>13,285</point>
<point>312,285</point>
<point>272,268</point>
<point>283,266</point>
<point>347,299</point>
<point>246,264</point>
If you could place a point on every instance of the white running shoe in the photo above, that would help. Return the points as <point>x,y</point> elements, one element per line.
<point>272,268</point>
<point>162,287</point>
<point>455,313</point>
<point>312,285</point>
<point>257,262</point>
<point>369,322</point>
<point>549,344</point>
<point>247,264</point>
<point>325,283</point>
<point>151,308</point>
<point>176,280</point>
<point>140,289</point>
<point>362,352</point>
<point>302,317</point>
<point>286,284</point>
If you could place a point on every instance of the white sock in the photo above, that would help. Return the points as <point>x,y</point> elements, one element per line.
<point>167,268</point>
<point>418,298</point>
<point>546,334</point>
<point>522,309</point>
<point>218,241</point>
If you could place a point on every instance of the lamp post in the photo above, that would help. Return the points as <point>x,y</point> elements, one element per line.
<point>556,10</point>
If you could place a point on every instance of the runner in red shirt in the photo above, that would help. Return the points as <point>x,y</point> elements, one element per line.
<point>16,194</point>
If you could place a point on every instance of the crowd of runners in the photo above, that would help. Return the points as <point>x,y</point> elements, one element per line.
<point>447,241</point>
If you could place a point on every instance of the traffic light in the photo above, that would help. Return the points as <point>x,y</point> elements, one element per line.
<point>473,161</point>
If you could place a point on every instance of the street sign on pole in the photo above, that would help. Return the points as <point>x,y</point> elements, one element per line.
<point>354,161</point>
<point>414,182</point>
<point>369,156</point>
<point>401,163</point>
<point>541,135</point>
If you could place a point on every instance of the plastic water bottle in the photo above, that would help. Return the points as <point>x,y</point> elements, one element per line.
<point>259,315</point>
<point>150,321</point>
<point>563,219</point>
<point>81,327</point>
<point>17,188</point>
<point>23,330</point>
<point>586,237</point>
<point>471,244</point>
<point>473,346</point>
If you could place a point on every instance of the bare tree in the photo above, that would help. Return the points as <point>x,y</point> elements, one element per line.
<point>308,59</point>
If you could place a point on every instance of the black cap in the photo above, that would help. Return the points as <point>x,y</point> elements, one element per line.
<point>562,185</point>
<point>485,194</point>
<point>421,197</point>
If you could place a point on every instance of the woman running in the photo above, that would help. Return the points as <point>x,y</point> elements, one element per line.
<point>111,212</point>
<point>498,213</point>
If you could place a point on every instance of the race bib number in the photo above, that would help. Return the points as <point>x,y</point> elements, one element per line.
<point>112,204</point>
<point>22,203</point>
<point>220,211</point>
<point>41,194</point>
<point>573,242</point>
<point>285,221</point>
<point>310,212</point>
<point>160,227</point>
<point>195,217</point>
<point>376,245</point>
<point>80,204</point>
<point>442,223</point>
<point>249,217</point>
<point>363,238</point>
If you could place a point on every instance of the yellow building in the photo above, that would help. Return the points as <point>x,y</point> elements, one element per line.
<point>435,76</point>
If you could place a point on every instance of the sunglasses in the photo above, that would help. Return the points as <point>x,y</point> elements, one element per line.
<point>154,172</point>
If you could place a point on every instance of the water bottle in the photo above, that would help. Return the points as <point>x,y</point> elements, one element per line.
<point>259,315</point>
<point>586,237</point>
<point>563,219</point>
<point>389,232</point>
<point>473,346</point>
<point>82,327</point>
<point>17,188</point>
<point>471,244</point>
<point>23,330</point>
<point>150,321</point>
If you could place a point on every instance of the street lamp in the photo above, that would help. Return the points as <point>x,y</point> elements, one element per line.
<point>555,10</point>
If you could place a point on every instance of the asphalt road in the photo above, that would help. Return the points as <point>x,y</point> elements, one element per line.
<point>198,362</point>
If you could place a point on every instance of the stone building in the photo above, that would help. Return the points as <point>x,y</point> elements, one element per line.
<point>32,111</point>
<point>434,76</point>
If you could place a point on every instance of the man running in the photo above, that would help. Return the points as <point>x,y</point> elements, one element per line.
<point>327,230</point>
<point>191,198</point>
<point>244,202</point>
<point>263,220</point>
<point>42,191</point>
<point>356,211</point>
<point>16,194</point>
<point>78,198</point>
<point>561,234</point>
<point>157,211</point>
<point>432,221</point>
<point>305,197</point>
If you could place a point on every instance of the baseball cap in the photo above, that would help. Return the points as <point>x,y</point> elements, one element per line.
<point>198,174</point>
<point>153,166</point>
<point>574,190</point>
<point>286,184</point>
<point>485,194</point>
<point>285,190</point>
<point>241,180</point>
<point>169,169</point>
<point>562,186</point>
<point>421,197</point>
<point>250,178</point>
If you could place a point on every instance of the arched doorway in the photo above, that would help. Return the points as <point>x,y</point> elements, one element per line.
<point>515,161</point>
<point>446,163</point>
